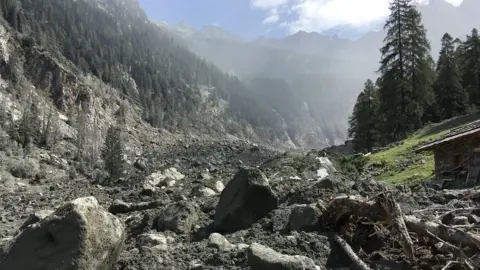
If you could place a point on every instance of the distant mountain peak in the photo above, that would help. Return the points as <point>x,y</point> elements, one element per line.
<point>186,26</point>
<point>216,32</point>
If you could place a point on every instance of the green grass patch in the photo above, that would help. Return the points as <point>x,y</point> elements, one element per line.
<point>401,165</point>
<point>413,173</point>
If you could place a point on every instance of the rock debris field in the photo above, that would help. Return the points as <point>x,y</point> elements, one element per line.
<point>236,206</point>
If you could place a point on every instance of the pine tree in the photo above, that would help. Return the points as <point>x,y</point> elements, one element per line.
<point>405,85</point>
<point>470,58</point>
<point>363,122</point>
<point>420,71</point>
<point>451,97</point>
<point>393,88</point>
<point>112,153</point>
<point>28,130</point>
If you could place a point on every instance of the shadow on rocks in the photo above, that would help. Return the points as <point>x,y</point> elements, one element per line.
<point>203,232</point>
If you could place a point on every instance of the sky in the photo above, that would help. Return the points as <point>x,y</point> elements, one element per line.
<point>275,18</point>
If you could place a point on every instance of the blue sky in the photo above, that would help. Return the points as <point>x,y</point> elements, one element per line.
<point>275,18</point>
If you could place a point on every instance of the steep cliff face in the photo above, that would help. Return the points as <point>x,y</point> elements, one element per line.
<point>47,74</point>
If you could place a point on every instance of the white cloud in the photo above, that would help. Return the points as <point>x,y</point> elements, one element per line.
<point>267,3</point>
<point>455,2</point>
<point>273,17</point>
<point>321,15</point>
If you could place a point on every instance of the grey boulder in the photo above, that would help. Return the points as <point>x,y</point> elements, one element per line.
<point>246,199</point>
<point>78,235</point>
<point>177,217</point>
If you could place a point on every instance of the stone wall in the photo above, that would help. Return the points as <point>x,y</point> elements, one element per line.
<point>443,159</point>
<point>445,155</point>
<point>473,162</point>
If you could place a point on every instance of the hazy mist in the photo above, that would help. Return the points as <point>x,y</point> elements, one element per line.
<point>321,74</point>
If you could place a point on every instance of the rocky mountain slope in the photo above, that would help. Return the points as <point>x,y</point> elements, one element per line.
<point>324,72</point>
<point>174,89</point>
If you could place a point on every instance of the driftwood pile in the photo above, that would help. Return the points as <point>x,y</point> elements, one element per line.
<point>382,217</point>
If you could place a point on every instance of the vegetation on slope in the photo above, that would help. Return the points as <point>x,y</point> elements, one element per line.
<point>399,164</point>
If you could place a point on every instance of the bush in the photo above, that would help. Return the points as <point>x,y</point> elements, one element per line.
<point>25,169</point>
<point>354,164</point>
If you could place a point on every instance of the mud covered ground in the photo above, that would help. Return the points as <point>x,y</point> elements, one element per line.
<point>169,201</point>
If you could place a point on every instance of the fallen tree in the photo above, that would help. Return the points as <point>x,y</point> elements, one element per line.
<point>383,210</point>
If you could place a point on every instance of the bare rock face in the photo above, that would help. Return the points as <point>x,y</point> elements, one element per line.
<point>78,235</point>
<point>246,199</point>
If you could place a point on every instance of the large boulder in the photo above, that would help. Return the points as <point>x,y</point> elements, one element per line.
<point>78,235</point>
<point>264,258</point>
<point>246,199</point>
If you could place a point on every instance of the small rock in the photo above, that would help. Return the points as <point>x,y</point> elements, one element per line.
<point>203,192</point>
<point>304,217</point>
<point>326,183</point>
<point>264,258</point>
<point>167,178</point>
<point>155,240</point>
<point>140,164</point>
<point>218,187</point>
<point>204,176</point>
<point>219,242</point>
<point>474,219</point>
<point>119,206</point>
<point>195,265</point>
<point>440,247</point>
<point>242,246</point>
<point>178,217</point>
<point>448,219</point>
<point>292,239</point>
<point>460,220</point>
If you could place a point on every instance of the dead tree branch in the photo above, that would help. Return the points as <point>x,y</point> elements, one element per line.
<point>350,253</point>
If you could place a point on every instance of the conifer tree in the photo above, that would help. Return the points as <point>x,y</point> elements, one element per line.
<point>470,67</point>
<point>406,74</point>
<point>363,122</point>
<point>452,99</point>
<point>112,153</point>
<point>420,71</point>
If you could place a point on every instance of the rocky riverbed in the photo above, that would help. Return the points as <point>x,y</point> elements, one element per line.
<point>235,205</point>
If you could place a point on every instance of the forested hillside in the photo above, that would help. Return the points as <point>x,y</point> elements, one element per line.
<point>115,41</point>
<point>414,90</point>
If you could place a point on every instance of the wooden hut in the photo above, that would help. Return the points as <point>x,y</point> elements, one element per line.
<point>459,150</point>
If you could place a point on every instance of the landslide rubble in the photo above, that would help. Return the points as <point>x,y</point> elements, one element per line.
<point>234,205</point>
